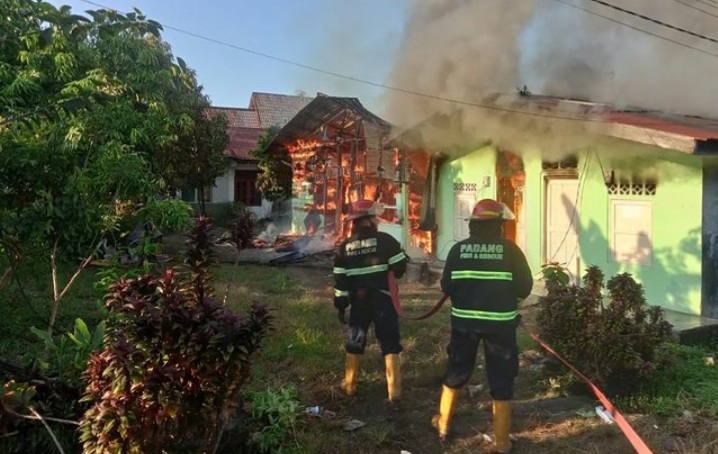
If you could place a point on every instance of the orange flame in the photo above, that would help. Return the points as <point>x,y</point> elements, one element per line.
<point>302,144</point>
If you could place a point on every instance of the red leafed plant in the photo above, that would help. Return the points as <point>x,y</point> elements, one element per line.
<point>243,231</point>
<point>173,362</point>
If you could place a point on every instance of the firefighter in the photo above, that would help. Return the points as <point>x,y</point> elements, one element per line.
<point>485,276</point>
<point>361,264</point>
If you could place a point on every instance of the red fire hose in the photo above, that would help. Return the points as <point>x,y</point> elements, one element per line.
<point>638,444</point>
<point>394,289</point>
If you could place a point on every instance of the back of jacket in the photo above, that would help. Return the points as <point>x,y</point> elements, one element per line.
<point>363,260</point>
<point>485,278</point>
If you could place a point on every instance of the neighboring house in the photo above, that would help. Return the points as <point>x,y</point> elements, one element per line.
<point>642,199</point>
<point>245,127</point>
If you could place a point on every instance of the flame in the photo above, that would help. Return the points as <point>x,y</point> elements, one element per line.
<point>301,144</point>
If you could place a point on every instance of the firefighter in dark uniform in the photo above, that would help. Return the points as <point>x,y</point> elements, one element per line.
<point>361,264</point>
<point>485,277</point>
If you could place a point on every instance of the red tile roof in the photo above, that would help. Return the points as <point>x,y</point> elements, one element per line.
<point>246,125</point>
<point>241,142</point>
<point>275,109</point>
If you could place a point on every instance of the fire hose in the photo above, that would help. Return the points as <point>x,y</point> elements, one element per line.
<point>638,444</point>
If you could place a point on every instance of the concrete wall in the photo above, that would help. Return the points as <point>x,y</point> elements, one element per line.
<point>223,190</point>
<point>673,278</point>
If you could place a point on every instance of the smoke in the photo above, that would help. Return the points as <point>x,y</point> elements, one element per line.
<point>357,38</point>
<point>469,50</point>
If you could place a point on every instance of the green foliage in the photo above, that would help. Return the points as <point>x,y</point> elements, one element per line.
<point>614,344</point>
<point>275,181</point>
<point>173,362</point>
<point>69,356</point>
<point>555,275</point>
<point>171,214</point>
<point>687,379</point>
<point>88,108</point>
<point>274,413</point>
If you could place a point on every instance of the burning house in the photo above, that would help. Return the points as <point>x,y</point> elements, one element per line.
<point>632,191</point>
<point>339,152</point>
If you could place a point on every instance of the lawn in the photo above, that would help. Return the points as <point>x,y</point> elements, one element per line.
<point>306,351</point>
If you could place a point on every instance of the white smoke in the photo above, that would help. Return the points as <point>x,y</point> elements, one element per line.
<point>469,49</point>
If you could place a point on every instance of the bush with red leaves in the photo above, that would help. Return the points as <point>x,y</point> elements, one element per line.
<point>173,362</point>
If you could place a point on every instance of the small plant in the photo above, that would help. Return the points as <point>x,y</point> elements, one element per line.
<point>555,275</point>
<point>69,356</point>
<point>275,412</point>
<point>613,343</point>
<point>242,232</point>
<point>200,257</point>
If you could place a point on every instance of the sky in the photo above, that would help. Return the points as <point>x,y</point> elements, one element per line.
<point>357,38</point>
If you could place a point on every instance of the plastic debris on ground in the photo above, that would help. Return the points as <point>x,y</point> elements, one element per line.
<point>605,415</point>
<point>489,439</point>
<point>353,425</point>
<point>586,413</point>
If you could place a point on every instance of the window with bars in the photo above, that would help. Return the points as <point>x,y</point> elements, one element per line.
<point>632,189</point>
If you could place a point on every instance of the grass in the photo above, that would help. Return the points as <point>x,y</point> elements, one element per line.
<point>305,351</point>
<point>27,301</point>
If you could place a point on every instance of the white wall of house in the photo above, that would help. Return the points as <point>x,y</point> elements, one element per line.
<point>223,190</point>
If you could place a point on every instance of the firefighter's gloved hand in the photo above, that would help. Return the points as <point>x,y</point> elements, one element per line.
<point>341,315</point>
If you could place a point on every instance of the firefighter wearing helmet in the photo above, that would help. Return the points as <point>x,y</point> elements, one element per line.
<point>361,264</point>
<point>485,277</point>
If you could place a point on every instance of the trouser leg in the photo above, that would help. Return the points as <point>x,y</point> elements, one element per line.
<point>502,365</point>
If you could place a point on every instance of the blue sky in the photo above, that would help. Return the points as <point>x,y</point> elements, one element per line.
<point>357,38</point>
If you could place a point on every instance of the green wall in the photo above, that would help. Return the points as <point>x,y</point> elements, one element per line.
<point>673,280</point>
<point>471,168</point>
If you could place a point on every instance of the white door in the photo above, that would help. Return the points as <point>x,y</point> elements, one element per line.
<point>562,216</point>
<point>463,205</point>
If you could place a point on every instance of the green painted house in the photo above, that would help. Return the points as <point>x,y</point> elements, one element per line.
<point>641,197</point>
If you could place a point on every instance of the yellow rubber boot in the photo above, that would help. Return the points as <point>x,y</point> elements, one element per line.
<point>502,426</point>
<point>442,421</point>
<point>393,377</point>
<point>351,371</point>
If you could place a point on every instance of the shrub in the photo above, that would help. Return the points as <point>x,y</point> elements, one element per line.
<point>173,362</point>
<point>615,343</point>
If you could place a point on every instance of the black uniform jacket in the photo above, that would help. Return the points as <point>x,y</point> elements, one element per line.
<point>363,260</point>
<point>485,278</point>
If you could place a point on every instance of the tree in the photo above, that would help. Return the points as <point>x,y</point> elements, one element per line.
<point>86,107</point>
<point>276,178</point>
<point>197,158</point>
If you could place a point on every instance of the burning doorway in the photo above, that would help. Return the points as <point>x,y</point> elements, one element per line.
<point>510,183</point>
